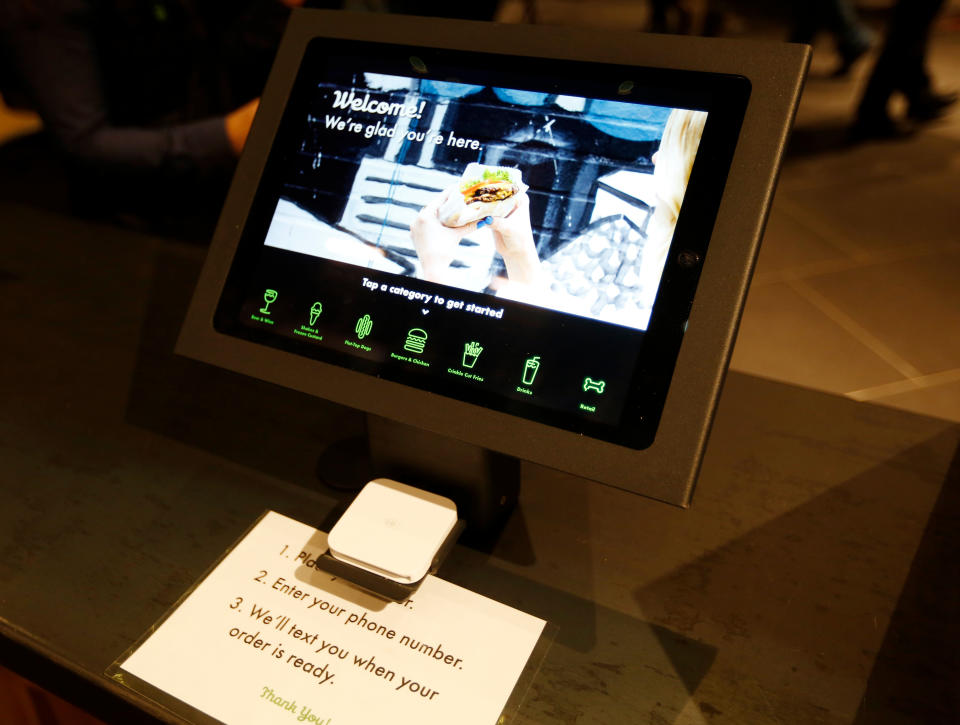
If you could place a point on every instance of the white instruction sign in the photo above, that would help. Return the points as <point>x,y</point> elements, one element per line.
<point>269,638</point>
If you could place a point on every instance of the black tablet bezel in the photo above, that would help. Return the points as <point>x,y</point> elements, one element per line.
<point>667,470</point>
<point>723,97</point>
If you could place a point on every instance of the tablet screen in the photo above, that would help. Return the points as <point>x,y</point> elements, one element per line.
<point>518,233</point>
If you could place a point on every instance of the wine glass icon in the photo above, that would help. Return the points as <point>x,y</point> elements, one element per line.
<point>269,296</point>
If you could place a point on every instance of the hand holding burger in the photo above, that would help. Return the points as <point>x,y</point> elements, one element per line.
<point>436,243</point>
<point>513,235</point>
<point>486,195</point>
<point>483,191</point>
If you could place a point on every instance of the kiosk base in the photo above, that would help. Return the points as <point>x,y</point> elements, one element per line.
<point>483,484</point>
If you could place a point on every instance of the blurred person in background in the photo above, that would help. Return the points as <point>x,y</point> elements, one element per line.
<point>901,68</point>
<point>688,17</point>
<point>838,17</point>
<point>150,102</point>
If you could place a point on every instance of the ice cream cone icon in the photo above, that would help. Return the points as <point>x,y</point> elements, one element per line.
<point>315,311</point>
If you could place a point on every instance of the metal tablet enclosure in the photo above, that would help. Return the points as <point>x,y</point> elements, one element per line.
<point>666,470</point>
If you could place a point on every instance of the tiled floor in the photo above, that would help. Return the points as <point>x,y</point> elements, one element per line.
<point>857,290</point>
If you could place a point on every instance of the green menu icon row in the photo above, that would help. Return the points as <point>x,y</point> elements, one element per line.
<point>416,342</point>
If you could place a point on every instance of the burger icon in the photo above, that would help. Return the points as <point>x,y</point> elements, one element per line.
<point>416,339</point>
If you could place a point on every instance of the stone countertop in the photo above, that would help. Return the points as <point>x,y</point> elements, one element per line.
<point>811,581</point>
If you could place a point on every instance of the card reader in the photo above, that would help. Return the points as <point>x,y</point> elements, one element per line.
<point>393,530</point>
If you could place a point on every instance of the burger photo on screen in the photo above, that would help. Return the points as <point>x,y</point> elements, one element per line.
<point>483,191</point>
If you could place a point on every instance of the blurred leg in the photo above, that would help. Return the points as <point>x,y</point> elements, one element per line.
<point>658,15</point>
<point>807,20</point>
<point>853,37</point>
<point>901,67</point>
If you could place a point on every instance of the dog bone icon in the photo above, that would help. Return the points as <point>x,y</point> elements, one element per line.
<point>594,385</point>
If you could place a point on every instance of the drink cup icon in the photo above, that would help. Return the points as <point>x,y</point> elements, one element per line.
<point>530,368</point>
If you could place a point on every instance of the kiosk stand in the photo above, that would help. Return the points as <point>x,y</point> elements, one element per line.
<point>437,222</point>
